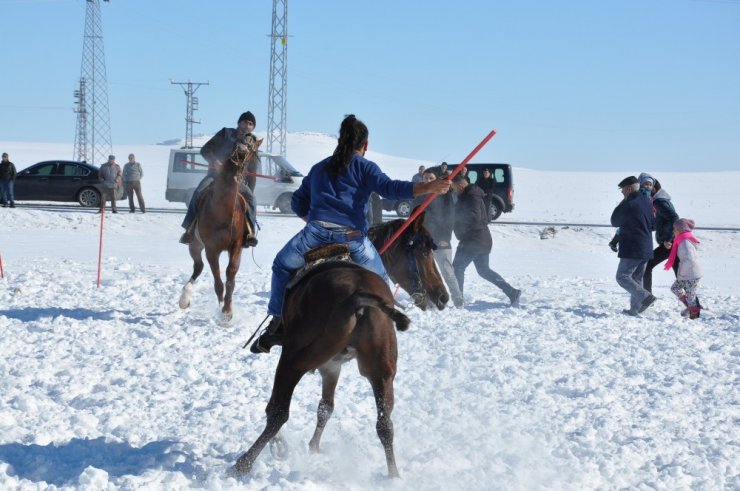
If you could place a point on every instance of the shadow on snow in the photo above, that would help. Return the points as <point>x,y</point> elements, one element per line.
<point>63,464</point>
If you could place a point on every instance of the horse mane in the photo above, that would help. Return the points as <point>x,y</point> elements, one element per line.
<point>380,234</point>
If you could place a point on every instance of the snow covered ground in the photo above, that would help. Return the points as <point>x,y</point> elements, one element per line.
<point>116,388</point>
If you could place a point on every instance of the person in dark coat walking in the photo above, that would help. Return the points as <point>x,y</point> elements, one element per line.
<point>7,182</point>
<point>665,217</point>
<point>634,217</point>
<point>475,241</point>
<point>217,150</point>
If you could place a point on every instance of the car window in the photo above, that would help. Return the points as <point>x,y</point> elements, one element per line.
<point>73,170</point>
<point>190,162</point>
<point>498,175</point>
<point>43,170</point>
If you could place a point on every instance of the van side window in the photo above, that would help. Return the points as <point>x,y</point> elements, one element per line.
<point>498,175</point>
<point>190,163</point>
<point>473,176</point>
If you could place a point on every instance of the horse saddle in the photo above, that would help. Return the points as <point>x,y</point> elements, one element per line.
<point>321,255</point>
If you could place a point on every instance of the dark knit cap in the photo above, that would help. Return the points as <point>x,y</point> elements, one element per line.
<point>627,181</point>
<point>247,116</point>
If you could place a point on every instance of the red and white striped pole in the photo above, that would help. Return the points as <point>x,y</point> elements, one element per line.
<point>100,245</point>
<point>419,209</point>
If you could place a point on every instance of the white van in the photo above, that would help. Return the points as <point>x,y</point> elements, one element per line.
<point>276,178</point>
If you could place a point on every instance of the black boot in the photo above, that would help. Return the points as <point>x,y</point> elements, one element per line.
<point>271,336</point>
<point>187,237</point>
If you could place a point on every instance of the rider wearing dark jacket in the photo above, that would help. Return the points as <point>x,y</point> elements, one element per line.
<point>216,151</point>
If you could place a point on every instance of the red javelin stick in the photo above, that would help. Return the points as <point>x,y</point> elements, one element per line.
<point>430,198</point>
<point>100,245</point>
<point>246,173</point>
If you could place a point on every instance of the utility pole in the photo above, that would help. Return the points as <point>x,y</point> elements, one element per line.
<point>81,130</point>
<point>93,119</point>
<point>191,106</point>
<point>277,100</point>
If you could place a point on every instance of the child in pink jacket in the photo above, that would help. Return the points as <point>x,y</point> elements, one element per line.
<point>690,269</point>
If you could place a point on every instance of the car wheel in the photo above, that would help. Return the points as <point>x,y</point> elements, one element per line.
<point>403,208</point>
<point>283,203</point>
<point>496,209</point>
<point>89,197</point>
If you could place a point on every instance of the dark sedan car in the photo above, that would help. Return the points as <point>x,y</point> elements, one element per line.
<point>60,180</point>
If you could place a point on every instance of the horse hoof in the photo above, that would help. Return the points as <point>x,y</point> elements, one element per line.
<point>187,292</point>
<point>279,448</point>
<point>226,317</point>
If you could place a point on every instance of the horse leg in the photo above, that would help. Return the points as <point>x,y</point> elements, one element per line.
<point>218,284</point>
<point>195,250</point>
<point>278,411</point>
<point>235,256</point>
<point>329,378</point>
<point>376,358</point>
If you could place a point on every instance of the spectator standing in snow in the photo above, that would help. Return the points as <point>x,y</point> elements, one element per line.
<point>419,176</point>
<point>443,172</point>
<point>665,217</point>
<point>634,218</point>
<point>475,241</point>
<point>690,270</point>
<point>7,182</point>
<point>439,218</point>
<point>110,177</point>
<point>132,174</point>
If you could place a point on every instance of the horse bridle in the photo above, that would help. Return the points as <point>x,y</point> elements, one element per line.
<point>419,239</point>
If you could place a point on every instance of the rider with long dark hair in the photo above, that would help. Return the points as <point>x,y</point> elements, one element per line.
<point>333,201</point>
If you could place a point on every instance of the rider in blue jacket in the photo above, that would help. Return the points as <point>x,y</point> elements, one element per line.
<point>333,201</point>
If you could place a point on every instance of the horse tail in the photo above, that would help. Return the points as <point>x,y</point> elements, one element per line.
<point>400,319</point>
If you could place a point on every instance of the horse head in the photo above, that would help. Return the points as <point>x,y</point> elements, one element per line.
<point>410,262</point>
<point>243,152</point>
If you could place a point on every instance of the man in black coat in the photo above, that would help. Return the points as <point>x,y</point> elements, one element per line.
<point>634,217</point>
<point>475,241</point>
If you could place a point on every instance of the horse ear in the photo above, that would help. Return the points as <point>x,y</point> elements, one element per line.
<point>419,220</point>
<point>258,143</point>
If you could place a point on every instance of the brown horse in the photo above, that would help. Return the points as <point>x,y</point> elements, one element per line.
<point>339,311</point>
<point>220,227</point>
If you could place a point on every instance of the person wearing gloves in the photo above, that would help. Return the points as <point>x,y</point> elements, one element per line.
<point>665,217</point>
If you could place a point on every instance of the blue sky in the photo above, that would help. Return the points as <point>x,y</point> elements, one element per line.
<point>568,85</point>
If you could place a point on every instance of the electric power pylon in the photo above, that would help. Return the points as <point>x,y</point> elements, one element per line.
<point>93,137</point>
<point>191,105</point>
<point>277,100</point>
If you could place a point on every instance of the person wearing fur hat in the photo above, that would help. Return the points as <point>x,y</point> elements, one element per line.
<point>634,218</point>
<point>665,217</point>
<point>216,150</point>
<point>690,269</point>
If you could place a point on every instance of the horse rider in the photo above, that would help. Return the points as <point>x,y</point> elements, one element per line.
<point>217,150</point>
<point>333,201</point>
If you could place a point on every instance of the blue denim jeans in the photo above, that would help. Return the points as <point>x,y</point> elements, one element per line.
<point>290,258</point>
<point>7,188</point>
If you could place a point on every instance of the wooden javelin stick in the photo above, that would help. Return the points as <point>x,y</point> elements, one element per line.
<point>430,198</point>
